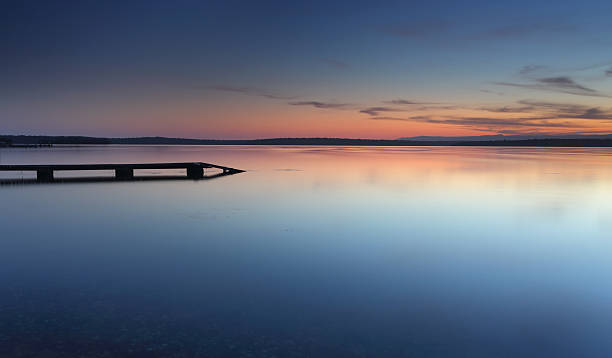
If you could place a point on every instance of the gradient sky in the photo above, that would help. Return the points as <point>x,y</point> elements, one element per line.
<point>253,69</point>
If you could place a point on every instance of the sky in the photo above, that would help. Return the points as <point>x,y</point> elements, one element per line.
<point>261,69</point>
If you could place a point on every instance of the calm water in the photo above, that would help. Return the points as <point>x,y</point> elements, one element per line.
<point>313,252</point>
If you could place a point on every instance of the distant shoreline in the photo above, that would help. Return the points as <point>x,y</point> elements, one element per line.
<point>46,141</point>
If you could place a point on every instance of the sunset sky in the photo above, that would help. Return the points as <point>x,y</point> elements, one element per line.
<point>255,69</point>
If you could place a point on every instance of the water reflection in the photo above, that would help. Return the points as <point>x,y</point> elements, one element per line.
<point>109,178</point>
<point>313,252</point>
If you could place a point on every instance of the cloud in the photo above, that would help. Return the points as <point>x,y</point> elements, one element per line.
<point>317,104</point>
<point>411,119</point>
<point>529,69</point>
<point>538,117</point>
<point>588,67</point>
<point>505,122</point>
<point>489,123</point>
<point>561,84</point>
<point>405,101</point>
<point>374,111</point>
<point>550,105</point>
<point>252,91</point>
<point>563,110</point>
<point>492,92</point>
<point>335,63</point>
<point>540,69</point>
<point>564,83</point>
<point>507,109</point>
<point>595,113</point>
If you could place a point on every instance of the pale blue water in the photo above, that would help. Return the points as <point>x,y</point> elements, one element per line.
<point>313,252</point>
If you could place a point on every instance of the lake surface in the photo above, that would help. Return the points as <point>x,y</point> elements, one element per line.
<point>313,252</point>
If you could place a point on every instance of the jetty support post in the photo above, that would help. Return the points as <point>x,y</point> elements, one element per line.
<point>124,173</point>
<point>195,172</point>
<point>44,175</point>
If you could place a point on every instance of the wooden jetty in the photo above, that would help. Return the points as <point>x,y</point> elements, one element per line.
<point>45,173</point>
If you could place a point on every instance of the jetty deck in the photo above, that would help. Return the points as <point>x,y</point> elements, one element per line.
<point>45,173</point>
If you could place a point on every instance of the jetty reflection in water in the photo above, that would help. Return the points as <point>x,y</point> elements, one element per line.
<point>314,251</point>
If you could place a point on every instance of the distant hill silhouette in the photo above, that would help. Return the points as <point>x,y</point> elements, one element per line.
<point>5,142</point>
<point>581,141</point>
<point>500,137</point>
<point>24,139</point>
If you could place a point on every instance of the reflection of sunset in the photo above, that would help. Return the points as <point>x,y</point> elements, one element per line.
<point>422,173</point>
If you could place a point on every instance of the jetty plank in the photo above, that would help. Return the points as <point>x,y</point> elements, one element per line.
<point>45,172</point>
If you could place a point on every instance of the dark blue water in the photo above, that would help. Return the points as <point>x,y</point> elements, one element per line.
<point>313,252</point>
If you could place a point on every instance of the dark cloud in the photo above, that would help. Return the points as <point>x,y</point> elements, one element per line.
<point>420,118</point>
<point>488,123</point>
<point>492,92</point>
<point>551,105</point>
<point>564,110</point>
<point>317,104</point>
<point>609,73</point>
<point>374,111</point>
<point>405,101</point>
<point>335,63</point>
<point>589,67</point>
<point>251,91</point>
<point>564,83</point>
<point>507,109</point>
<point>505,122</point>
<point>538,114</point>
<point>529,69</point>
<point>595,113</point>
<point>532,70</point>
<point>561,84</point>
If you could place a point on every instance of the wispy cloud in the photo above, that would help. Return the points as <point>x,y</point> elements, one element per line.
<point>609,72</point>
<point>488,123</point>
<point>400,101</point>
<point>595,113</point>
<point>564,110</point>
<point>251,91</point>
<point>528,115</point>
<point>507,109</point>
<point>317,104</point>
<point>561,84</point>
<point>374,111</point>
<point>564,83</point>
<point>411,119</point>
<point>529,69</point>
<point>505,122</point>
<point>588,67</point>
<point>492,92</point>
